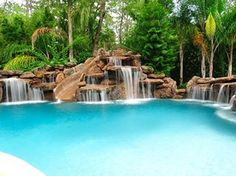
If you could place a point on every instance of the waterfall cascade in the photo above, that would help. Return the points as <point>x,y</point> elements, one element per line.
<point>127,74</point>
<point>92,92</point>
<point>221,93</point>
<point>17,90</point>
<point>131,82</point>
<point>199,93</point>
<point>114,75</point>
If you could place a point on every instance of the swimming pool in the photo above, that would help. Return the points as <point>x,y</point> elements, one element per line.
<point>154,138</point>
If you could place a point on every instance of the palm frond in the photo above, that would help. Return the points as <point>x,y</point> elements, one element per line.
<point>44,30</point>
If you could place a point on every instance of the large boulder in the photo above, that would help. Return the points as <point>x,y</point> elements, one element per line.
<point>193,82</point>
<point>68,72</point>
<point>167,90</point>
<point>147,69</point>
<point>95,69</point>
<point>60,77</point>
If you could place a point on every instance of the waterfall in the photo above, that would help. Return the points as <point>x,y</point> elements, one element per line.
<point>115,61</point>
<point>211,96</point>
<point>94,96</point>
<point>225,94</point>
<point>18,90</point>
<point>199,93</point>
<point>146,90</point>
<point>231,102</point>
<point>131,82</point>
<point>221,95</point>
<point>92,80</point>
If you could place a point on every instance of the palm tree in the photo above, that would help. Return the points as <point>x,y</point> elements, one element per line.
<point>201,9</point>
<point>44,30</point>
<point>230,35</point>
<point>200,42</point>
<point>183,26</point>
<point>210,31</point>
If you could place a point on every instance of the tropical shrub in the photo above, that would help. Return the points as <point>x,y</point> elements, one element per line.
<point>22,62</point>
<point>154,38</point>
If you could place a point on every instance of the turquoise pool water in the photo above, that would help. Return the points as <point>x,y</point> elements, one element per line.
<point>156,138</point>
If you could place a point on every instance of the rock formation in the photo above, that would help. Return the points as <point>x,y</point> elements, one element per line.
<point>106,76</point>
<point>221,90</point>
<point>114,75</point>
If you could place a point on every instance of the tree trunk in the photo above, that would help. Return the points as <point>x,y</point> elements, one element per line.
<point>231,58</point>
<point>181,57</point>
<point>203,64</point>
<point>70,34</point>
<point>99,27</point>
<point>120,28</point>
<point>211,59</point>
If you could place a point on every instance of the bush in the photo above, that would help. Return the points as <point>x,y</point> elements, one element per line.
<point>22,63</point>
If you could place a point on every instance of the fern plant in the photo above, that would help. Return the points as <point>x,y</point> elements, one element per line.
<point>11,50</point>
<point>22,63</point>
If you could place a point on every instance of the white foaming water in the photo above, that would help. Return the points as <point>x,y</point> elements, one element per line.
<point>95,96</point>
<point>115,61</point>
<point>198,92</point>
<point>227,115</point>
<point>224,98</point>
<point>18,90</point>
<point>131,82</point>
<point>91,80</point>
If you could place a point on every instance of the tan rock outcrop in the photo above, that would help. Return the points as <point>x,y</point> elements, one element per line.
<point>193,82</point>
<point>147,69</point>
<point>60,77</point>
<point>166,90</point>
<point>153,81</point>
<point>27,75</point>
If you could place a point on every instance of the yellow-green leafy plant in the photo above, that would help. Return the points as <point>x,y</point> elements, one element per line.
<point>21,62</point>
<point>210,31</point>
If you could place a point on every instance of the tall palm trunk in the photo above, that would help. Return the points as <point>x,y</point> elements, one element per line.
<point>181,57</point>
<point>99,27</point>
<point>121,27</point>
<point>70,34</point>
<point>203,64</point>
<point>230,65</point>
<point>211,59</point>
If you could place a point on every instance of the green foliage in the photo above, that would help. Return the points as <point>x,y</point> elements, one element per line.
<point>21,62</point>
<point>82,48</point>
<point>150,27</point>
<point>183,85</point>
<point>11,50</point>
<point>154,38</point>
<point>210,26</point>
